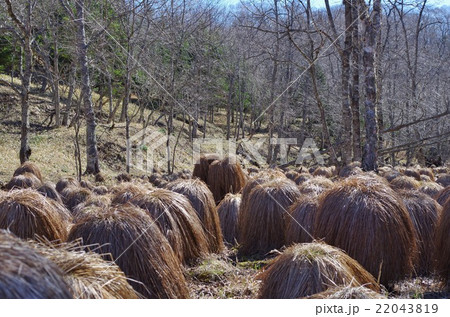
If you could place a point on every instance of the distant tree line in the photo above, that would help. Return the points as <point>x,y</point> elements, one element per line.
<point>365,79</point>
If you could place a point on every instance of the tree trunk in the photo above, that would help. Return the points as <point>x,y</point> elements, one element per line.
<point>25,150</point>
<point>356,123</point>
<point>92,166</point>
<point>56,97</point>
<point>346,111</point>
<point>370,154</point>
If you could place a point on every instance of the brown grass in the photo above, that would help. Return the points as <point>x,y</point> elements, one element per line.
<point>29,215</point>
<point>73,196</point>
<point>302,177</point>
<point>122,193</point>
<point>177,220</point>
<point>315,186</point>
<point>123,177</point>
<point>65,182</point>
<point>348,292</point>
<point>29,167</point>
<point>49,190</point>
<point>412,173</point>
<point>225,176</point>
<point>26,180</point>
<point>300,221</point>
<point>442,243</point>
<point>323,171</point>
<point>91,204</point>
<point>430,188</point>
<point>100,190</point>
<point>201,198</point>
<point>202,166</point>
<point>443,179</point>
<point>426,171</point>
<point>25,274</point>
<point>309,268</point>
<point>228,211</point>
<point>261,222</point>
<point>404,182</point>
<point>368,220</point>
<point>137,246</point>
<point>88,275</point>
<point>424,212</point>
<point>443,195</point>
<point>258,179</point>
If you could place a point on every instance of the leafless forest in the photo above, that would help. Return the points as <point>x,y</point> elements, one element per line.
<point>92,90</point>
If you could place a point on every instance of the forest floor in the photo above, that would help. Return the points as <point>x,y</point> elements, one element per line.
<point>216,276</point>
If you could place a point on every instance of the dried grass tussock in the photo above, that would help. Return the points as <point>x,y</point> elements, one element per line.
<point>309,268</point>
<point>300,221</point>
<point>442,244</point>
<point>88,275</point>
<point>201,198</point>
<point>178,221</point>
<point>367,219</point>
<point>225,176</point>
<point>28,215</point>
<point>424,212</point>
<point>26,274</point>
<point>137,246</point>
<point>228,211</point>
<point>261,222</point>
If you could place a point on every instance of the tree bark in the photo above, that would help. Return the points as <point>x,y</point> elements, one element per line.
<point>372,27</point>
<point>354,94</point>
<point>92,166</point>
<point>346,111</point>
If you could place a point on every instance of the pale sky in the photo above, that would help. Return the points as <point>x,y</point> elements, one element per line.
<point>320,3</point>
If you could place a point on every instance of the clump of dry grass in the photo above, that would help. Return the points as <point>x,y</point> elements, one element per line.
<point>442,244</point>
<point>367,219</point>
<point>412,173</point>
<point>65,182</point>
<point>100,190</point>
<point>315,186</point>
<point>228,211</point>
<point>261,222</point>
<point>326,172</point>
<point>28,215</point>
<point>424,212</point>
<point>225,176</point>
<point>26,274</point>
<point>123,177</point>
<point>73,196</point>
<point>348,292</point>
<point>404,182</point>
<point>426,171</point>
<point>201,198</point>
<point>300,221</point>
<point>137,246</point>
<point>443,179</point>
<point>26,180</point>
<point>91,204</point>
<point>202,166</point>
<point>258,179</point>
<point>302,177</point>
<point>430,188</point>
<point>124,192</point>
<point>309,268</point>
<point>29,167</point>
<point>443,195</point>
<point>88,275</point>
<point>177,220</point>
<point>49,190</point>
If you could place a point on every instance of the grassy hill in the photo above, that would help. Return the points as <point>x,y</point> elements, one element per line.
<point>53,148</point>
